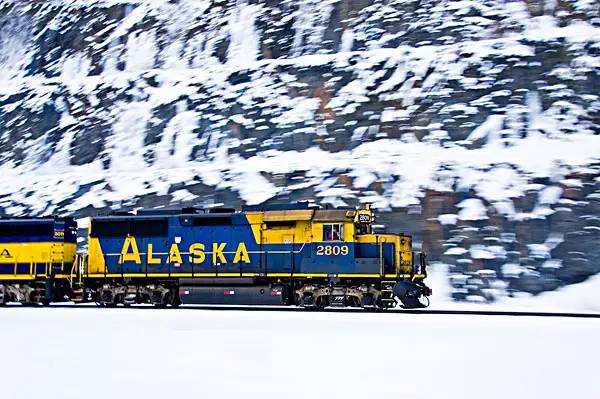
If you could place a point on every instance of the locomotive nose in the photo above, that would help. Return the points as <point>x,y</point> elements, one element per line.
<point>412,296</point>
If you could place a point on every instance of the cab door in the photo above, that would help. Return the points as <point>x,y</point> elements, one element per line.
<point>278,257</point>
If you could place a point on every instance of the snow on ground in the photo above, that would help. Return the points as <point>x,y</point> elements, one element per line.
<point>118,353</point>
<point>577,298</point>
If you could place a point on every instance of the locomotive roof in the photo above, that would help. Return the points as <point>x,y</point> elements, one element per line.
<point>316,215</point>
<point>299,206</point>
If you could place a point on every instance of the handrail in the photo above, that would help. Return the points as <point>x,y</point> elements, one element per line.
<point>70,277</point>
<point>381,268</point>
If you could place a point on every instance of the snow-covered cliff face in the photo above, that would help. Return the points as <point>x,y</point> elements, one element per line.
<point>476,122</point>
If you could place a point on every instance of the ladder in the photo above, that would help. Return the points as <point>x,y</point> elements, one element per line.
<point>76,280</point>
<point>57,259</point>
<point>387,293</point>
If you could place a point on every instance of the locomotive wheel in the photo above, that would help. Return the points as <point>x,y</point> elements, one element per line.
<point>355,302</point>
<point>4,297</point>
<point>168,300</point>
<point>164,301</point>
<point>116,301</point>
<point>321,303</point>
<point>379,304</point>
<point>176,301</point>
<point>34,298</point>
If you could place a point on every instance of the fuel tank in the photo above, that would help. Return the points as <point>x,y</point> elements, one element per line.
<point>233,295</point>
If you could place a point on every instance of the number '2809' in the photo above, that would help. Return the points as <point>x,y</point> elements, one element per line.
<point>332,250</point>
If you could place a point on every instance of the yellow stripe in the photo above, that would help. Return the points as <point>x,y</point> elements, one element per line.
<point>30,276</point>
<point>358,275</point>
<point>228,274</point>
<point>132,274</point>
<point>157,275</point>
<point>19,276</point>
<point>297,275</point>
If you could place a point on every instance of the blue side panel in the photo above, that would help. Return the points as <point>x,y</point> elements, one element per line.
<point>22,268</point>
<point>278,258</point>
<point>367,250</point>
<point>7,269</point>
<point>372,250</point>
<point>37,230</point>
<point>389,258</point>
<point>329,257</point>
<point>184,236</point>
<point>40,268</point>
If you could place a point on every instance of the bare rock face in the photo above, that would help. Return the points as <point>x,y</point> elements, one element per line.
<point>475,125</point>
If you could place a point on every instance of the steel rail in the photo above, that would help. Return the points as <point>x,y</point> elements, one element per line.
<point>258,308</point>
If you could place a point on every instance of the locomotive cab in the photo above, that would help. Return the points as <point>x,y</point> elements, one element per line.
<point>401,269</point>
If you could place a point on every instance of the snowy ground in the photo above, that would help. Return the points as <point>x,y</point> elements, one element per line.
<point>576,298</point>
<point>118,353</point>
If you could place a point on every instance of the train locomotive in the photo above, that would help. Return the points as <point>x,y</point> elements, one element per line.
<point>262,255</point>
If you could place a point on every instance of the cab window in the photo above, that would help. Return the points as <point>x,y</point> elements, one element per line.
<point>361,228</point>
<point>333,232</point>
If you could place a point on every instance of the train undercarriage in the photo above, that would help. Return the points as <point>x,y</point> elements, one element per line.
<point>242,291</point>
<point>312,294</point>
<point>41,292</point>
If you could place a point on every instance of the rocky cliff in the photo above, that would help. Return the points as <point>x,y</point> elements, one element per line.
<point>475,123</point>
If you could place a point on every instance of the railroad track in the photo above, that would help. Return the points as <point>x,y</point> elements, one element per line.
<point>342,310</point>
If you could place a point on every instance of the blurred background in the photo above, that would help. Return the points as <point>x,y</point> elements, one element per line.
<point>474,125</point>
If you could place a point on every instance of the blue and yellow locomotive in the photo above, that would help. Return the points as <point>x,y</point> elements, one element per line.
<point>37,259</point>
<point>271,255</point>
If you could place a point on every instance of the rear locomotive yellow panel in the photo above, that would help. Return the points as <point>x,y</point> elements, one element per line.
<point>32,248</point>
<point>37,252</point>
